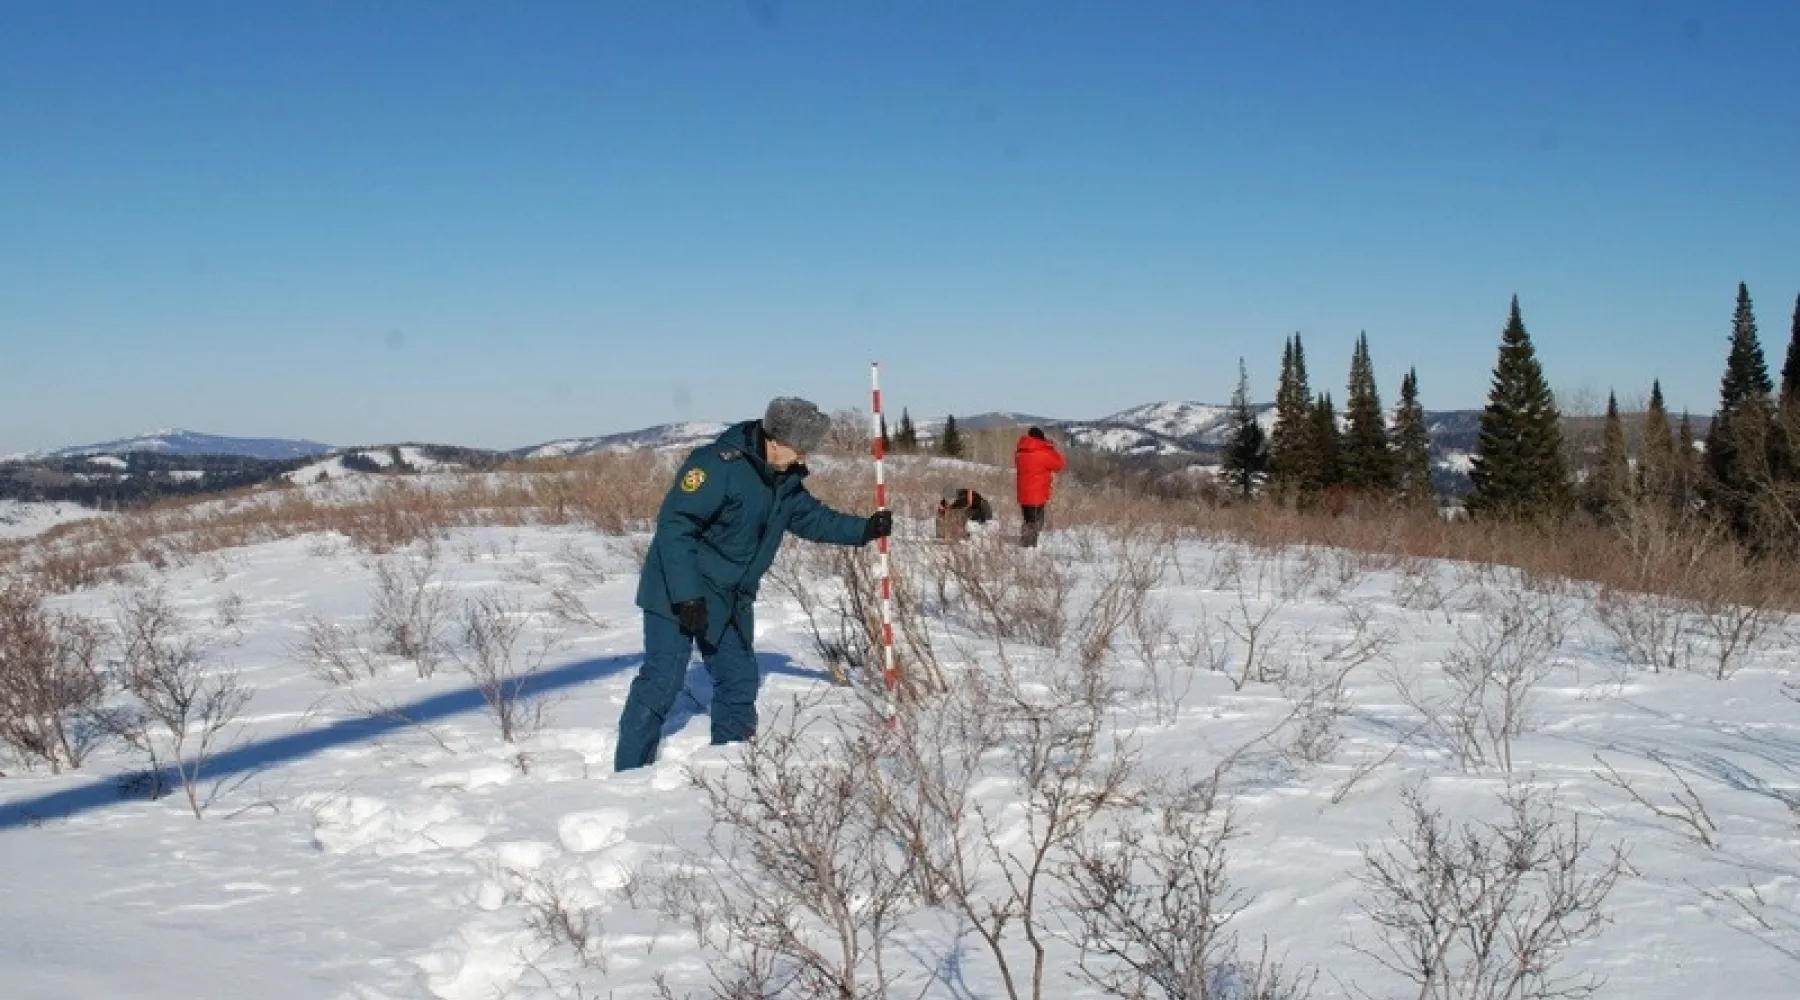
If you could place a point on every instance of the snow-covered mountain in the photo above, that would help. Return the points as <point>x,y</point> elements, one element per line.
<point>175,441</point>
<point>661,437</point>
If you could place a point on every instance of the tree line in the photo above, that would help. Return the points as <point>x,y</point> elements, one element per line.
<point>1744,475</point>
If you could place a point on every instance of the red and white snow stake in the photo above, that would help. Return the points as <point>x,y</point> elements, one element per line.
<point>888,676</point>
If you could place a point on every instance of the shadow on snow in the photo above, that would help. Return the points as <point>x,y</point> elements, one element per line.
<point>249,758</point>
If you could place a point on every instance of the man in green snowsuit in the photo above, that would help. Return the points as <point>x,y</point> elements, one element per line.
<point>720,526</point>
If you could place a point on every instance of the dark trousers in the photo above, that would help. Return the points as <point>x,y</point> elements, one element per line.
<point>735,677</point>
<point>1034,523</point>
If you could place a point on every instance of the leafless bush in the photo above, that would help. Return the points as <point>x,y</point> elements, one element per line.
<point>492,625</point>
<point>1153,905</point>
<point>1257,634</point>
<point>1478,911</point>
<point>410,609</point>
<point>180,709</point>
<point>1010,593</point>
<point>1648,627</point>
<point>561,911</point>
<point>1686,810</point>
<point>1497,662</point>
<point>808,882</point>
<point>1734,606</point>
<point>50,680</point>
<point>997,872</point>
<point>334,653</point>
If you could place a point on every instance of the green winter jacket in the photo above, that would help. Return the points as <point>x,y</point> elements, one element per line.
<point>722,523</point>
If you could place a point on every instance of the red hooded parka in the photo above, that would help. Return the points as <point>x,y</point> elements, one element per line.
<point>1037,461</point>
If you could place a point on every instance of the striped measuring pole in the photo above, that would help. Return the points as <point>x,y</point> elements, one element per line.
<point>888,676</point>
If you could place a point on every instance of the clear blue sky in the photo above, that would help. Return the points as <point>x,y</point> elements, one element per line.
<point>500,223</point>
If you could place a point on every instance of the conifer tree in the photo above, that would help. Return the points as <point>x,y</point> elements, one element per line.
<point>951,443</point>
<point>1246,456</point>
<point>1290,460</point>
<point>1656,454</point>
<point>1519,470</point>
<point>1737,441</point>
<point>886,445</point>
<point>1327,448</point>
<point>1608,486</point>
<point>1684,470</point>
<point>1790,371</point>
<point>1412,444</point>
<point>906,438</point>
<point>1368,464</point>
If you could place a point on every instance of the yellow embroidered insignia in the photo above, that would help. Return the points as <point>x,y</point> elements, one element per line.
<point>694,479</point>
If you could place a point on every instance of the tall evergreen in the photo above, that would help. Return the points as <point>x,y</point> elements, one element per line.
<point>1290,460</point>
<point>1608,485</point>
<point>1737,441</point>
<point>1684,471</point>
<point>887,445</point>
<point>1790,372</point>
<point>1368,464</point>
<point>906,437</point>
<point>1412,444</point>
<point>1656,453</point>
<point>951,443</point>
<point>1327,448</point>
<point>1246,457</point>
<point>1518,469</point>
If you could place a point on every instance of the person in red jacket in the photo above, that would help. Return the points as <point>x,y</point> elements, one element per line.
<point>1038,462</point>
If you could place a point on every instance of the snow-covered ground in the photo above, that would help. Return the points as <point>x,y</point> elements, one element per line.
<point>21,519</point>
<point>378,841</point>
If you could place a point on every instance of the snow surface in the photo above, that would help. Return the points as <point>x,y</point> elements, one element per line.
<point>379,842</point>
<point>24,518</point>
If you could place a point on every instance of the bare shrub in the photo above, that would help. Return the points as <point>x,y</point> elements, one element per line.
<point>1648,627</point>
<point>492,625</point>
<point>1007,592</point>
<point>50,680</point>
<point>1495,665</point>
<point>1257,634</point>
<point>410,609</point>
<point>1734,607</point>
<point>1480,911</point>
<point>1686,809</point>
<point>333,652</point>
<point>998,872</point>
<point>564,912</point>
<point>807,883</point>
<point>1153,905</point>
<point>180,708</point>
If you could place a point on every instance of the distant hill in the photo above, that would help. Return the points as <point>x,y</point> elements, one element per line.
<point>175,441</point>
<point>660,437</point>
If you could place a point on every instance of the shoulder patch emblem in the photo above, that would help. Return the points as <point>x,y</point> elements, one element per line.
<point>693,480</point>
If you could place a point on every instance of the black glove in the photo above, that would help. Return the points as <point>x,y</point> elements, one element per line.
<point>879,525</point>
<point>692,616</point>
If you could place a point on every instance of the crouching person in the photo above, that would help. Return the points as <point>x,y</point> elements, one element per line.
<point>720,527</point>
<point>958,507</point>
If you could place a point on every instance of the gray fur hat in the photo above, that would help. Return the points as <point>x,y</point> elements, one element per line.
<point>796,423</point>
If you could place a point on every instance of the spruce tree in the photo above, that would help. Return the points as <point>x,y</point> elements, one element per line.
<point>1327,448</point>
<point>1368,464</point>
<point>1608,486</point>
<point>1790,372</point>
<point>1289,453</point>
<point>1412,444</point>
<point>1684,471</point>
<point>1656,453</point>
<point>1246,456</point>
<point>906,438</point>
<point>1518,469</point>
<point>951,443</point>
<point>886,445</point>
<point>1737,441</point>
